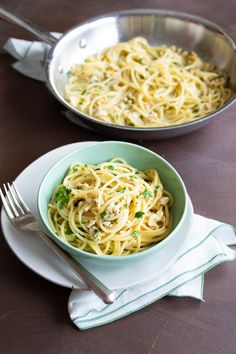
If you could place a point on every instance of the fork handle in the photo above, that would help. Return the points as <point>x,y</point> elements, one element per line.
<point>89,279</point>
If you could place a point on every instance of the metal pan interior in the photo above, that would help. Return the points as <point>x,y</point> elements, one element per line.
<point>159,27</point>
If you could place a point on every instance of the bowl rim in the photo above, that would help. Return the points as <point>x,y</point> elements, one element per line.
<point>138,11</point>
<point>150,250</point>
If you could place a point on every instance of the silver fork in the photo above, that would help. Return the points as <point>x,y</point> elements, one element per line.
<point>21,217</point>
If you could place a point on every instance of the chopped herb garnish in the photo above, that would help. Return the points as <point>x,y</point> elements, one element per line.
<point>68,231</point>
<point>123,190</point>
<point>126,205</point>
<point>196,109</point>
<point>104,214</point>
<point>139,214</point>
<point>110,167</point>
<point>135,233</point>
<point>75,168</point>
<point>147,194</point>
<point>83,92</point>
<point>62,196</point>
<point>157,187</point>
<point>176,63</point>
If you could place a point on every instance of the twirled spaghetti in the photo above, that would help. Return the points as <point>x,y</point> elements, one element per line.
<point>111,208</point>
<point>135,84</point>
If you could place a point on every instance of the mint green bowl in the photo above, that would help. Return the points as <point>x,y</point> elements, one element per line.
<point>163,253</point>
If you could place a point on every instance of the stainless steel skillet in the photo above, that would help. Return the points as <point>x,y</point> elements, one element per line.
<point>159,27</point>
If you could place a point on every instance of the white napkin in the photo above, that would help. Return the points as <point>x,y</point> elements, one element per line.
<point>30,56</point>
<point>205,247</point>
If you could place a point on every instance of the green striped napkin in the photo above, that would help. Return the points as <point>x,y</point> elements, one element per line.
<point>205,247</point>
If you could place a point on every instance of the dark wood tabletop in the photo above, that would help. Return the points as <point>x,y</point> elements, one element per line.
<point>33,311</point>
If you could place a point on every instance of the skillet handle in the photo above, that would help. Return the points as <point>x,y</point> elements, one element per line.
<point>29,26</point>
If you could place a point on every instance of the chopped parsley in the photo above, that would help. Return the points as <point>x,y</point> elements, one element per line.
<point>126,205</point>
<point>68,231</point>
<point>157,187</point>
<point>147,194</point>
<point>123,190</point>
<point>75,168</point>
<point>141,61</point>
<point>139,214</point>
<point>104,214</point>
<point>110,167</point>
<point>62,196</point>
<point>196,109</point>
<point>135,233</point>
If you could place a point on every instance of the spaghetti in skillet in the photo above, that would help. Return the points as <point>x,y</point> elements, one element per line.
<point>136,84</point>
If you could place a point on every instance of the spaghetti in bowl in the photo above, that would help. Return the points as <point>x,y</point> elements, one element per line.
<point>112,211</point>
<point>110,208</point>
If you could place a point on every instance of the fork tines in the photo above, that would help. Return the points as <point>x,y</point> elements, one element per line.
<point>12,201</point>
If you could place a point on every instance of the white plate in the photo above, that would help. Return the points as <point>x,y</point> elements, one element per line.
<point>38,257</point>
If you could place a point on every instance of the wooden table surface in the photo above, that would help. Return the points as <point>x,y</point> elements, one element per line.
<point>33,311</point>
